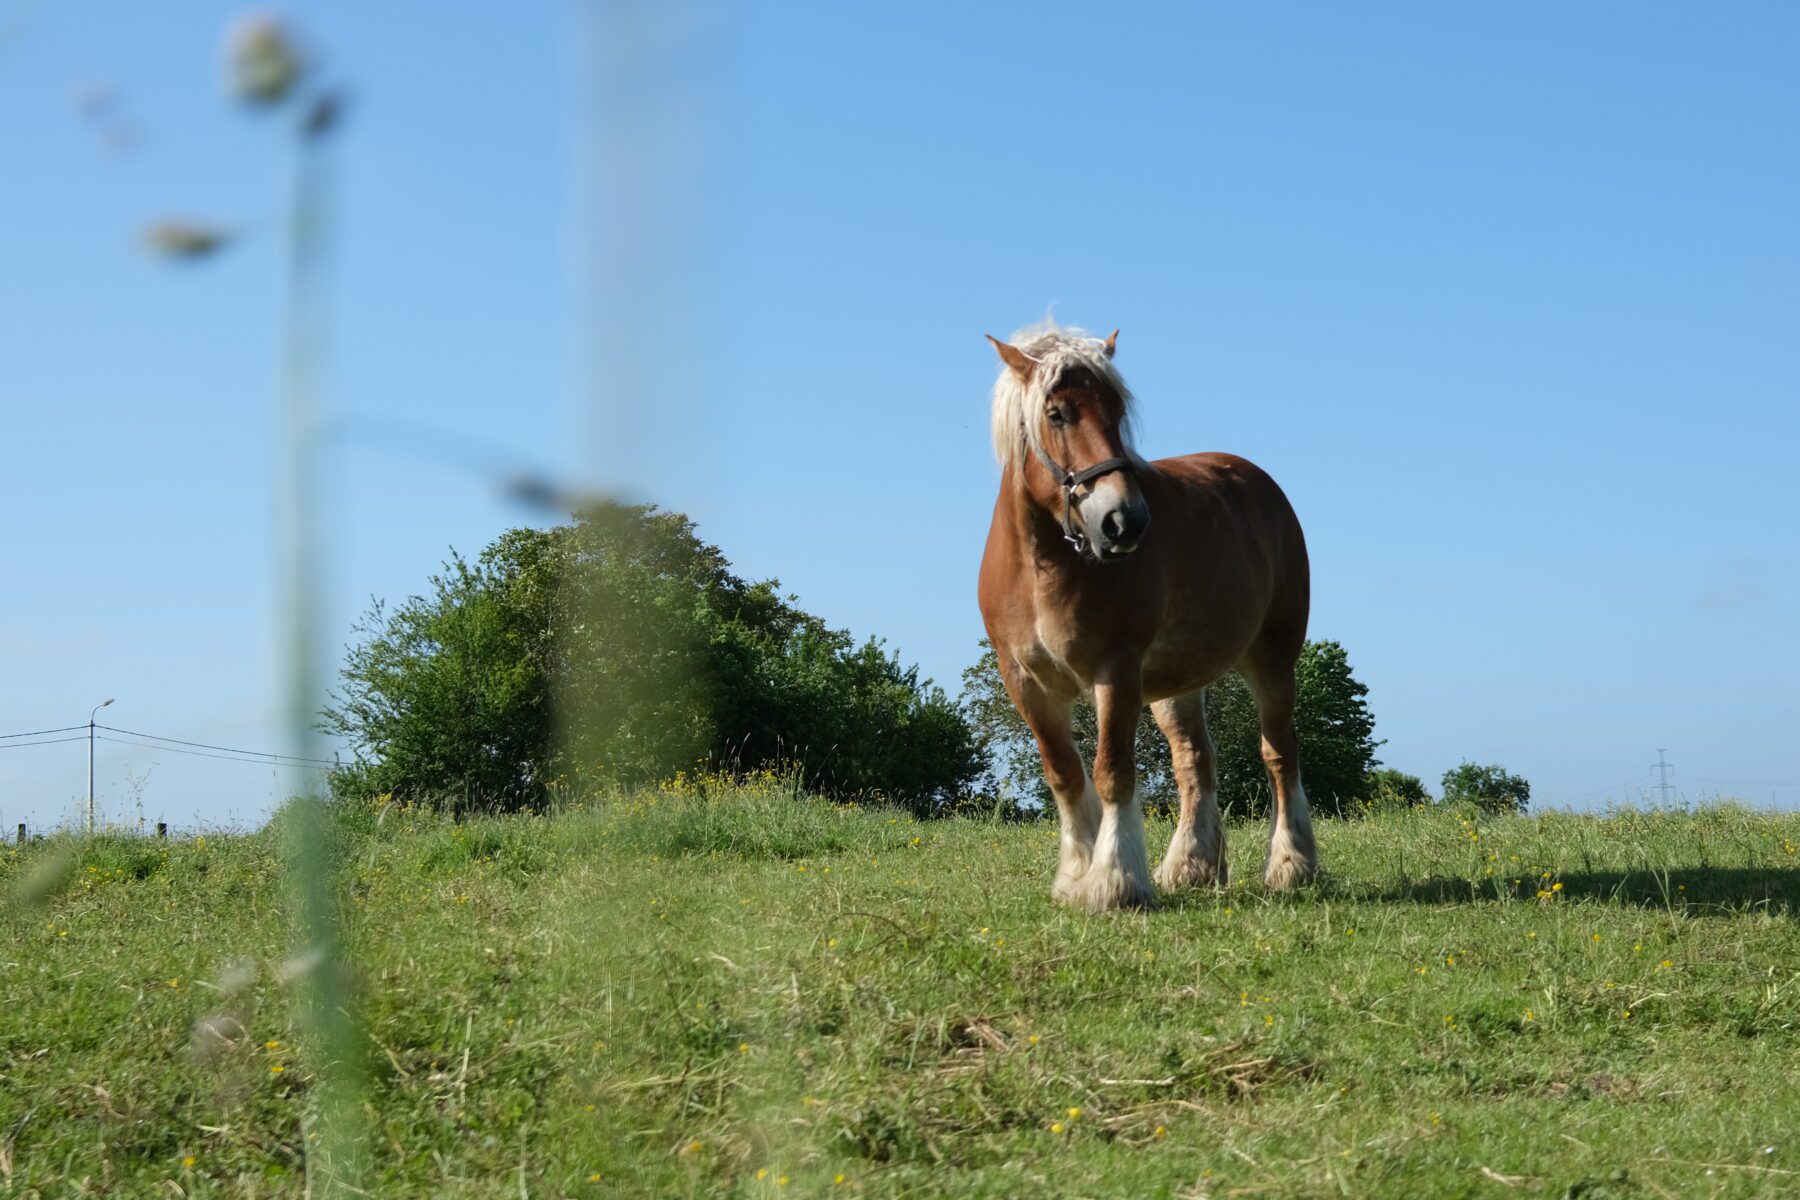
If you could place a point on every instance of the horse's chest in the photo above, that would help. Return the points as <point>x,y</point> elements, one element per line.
<point>1066,643</point>
<point>1055,648</point>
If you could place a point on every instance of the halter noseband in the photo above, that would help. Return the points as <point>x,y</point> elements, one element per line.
<point>1072,480</point>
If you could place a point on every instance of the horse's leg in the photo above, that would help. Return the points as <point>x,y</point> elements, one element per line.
<point>1119,876</point>
<point>1293,858</point>
<point>1077,804</point>
<point>1196,854</point>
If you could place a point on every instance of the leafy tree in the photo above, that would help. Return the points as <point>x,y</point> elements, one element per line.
<point>622,648</point>
<point>446,695</point>
<point>1009,751</point>
<point>1387,790</point>
<point>1336,729</point>
<point>1489,788</point>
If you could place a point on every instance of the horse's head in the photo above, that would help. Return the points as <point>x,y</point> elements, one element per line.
<point>1060,401</point>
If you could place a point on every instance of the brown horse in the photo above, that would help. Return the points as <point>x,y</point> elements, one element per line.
<point>1137,583</point>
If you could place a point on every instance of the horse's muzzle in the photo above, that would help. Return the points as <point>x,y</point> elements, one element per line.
<point>1122,529</point>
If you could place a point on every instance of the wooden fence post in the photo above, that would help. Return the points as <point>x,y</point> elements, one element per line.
<point>21,833</point>
<point>162,829</point>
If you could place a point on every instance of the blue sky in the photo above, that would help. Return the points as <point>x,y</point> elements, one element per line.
<point>1503,295</point>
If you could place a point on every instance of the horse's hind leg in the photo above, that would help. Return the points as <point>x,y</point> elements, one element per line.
<point>1196,854</point>
<point>1077,803</point>
<point>1293,858</point>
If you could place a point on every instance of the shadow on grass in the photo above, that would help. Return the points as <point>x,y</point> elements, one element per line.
<point>1696,891</point>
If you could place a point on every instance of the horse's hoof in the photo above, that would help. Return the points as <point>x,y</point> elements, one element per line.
<point>1063,890</point>
<point>1178,872</point>
<point>1068,880</point>
<point>1104,890</point>
<point>1289,871</point>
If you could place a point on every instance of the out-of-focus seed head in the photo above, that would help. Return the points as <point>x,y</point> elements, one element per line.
<point>95,99</point>
<point>214,1034</point>
<point>323,114</point>
<point>187,240</point>
<point>263,64</point>
<point>236,977</point>
<point>47,878</point>
<point>539,491</point>
<point>299,966</point>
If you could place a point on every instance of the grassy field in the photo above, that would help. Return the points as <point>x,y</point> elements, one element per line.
<point>731,992</point>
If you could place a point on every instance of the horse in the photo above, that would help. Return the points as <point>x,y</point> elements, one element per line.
<point>1135,582</point>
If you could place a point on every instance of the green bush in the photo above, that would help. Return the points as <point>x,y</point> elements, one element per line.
<point>621,649</point>
<point>1387,790</point>
<point>1488,788</point>
<point>1336,728</point>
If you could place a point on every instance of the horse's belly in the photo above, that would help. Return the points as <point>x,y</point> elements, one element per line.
<point>1175,666</point>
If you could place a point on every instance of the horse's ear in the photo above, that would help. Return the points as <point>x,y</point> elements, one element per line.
<point>1012,356</point>
<point>1112,343</point>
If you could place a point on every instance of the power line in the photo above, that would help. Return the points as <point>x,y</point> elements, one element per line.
<point>12,741</point>
<point>46,742</point>
<point>257,757</point>
<point>324,762</point>
<point>1611,787</point>
<point>1783,783</point>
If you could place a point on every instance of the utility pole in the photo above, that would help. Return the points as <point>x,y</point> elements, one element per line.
<point>91,716</point>
<point>1662,775</point>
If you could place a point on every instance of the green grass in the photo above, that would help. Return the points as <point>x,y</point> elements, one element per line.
<point>699,994</point>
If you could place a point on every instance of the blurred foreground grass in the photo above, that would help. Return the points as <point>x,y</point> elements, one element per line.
<point>713,990</point>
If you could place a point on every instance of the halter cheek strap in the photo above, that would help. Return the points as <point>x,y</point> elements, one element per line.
<point>1071,480</point>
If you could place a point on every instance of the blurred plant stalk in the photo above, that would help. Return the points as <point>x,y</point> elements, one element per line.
<point>323,987</point>
<point>265,69</point>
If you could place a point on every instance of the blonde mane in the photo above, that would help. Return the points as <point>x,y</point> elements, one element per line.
<point>1019,403</point>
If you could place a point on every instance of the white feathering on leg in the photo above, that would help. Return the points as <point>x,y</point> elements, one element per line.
<point>1119,875</point>
<point>1196,856</point>
<point>1079,829</point>
<point>1293,858</point>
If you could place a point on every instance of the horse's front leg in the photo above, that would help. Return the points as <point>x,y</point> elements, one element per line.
<point>1077,805</point>
<point>1119,876</point>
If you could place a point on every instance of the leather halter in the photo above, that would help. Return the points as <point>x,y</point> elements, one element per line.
<point>1072,480</point>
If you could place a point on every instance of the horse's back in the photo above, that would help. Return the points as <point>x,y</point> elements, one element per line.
<point>1232,499</point>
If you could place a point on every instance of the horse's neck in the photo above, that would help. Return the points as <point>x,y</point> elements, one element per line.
<point>1035,532</point>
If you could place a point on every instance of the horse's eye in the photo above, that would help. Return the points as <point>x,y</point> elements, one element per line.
<point>1057,418</point>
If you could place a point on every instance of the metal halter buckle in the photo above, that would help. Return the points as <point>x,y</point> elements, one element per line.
<point>1071,534</point>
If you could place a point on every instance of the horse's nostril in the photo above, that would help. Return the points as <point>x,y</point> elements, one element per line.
<point>1123,526</point>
